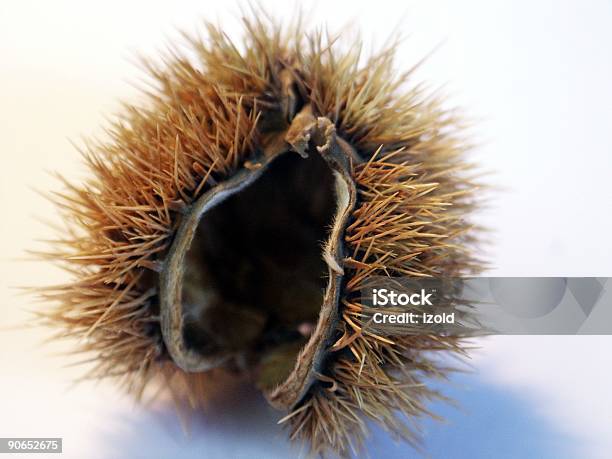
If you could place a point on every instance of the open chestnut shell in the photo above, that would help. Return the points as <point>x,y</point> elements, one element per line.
<point>231,223</point>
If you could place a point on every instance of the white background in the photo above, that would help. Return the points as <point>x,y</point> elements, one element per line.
<point>537,78</point>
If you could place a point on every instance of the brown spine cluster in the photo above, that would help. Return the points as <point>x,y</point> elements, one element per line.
<point>203,119</point>
<point>410,222</point>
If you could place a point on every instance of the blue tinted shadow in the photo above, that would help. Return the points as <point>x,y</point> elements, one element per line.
<point>489,423</point>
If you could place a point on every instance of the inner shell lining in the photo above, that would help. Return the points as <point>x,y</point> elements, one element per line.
<point>254,275</point>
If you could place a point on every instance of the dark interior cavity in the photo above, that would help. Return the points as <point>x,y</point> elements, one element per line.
<point>255,277</point>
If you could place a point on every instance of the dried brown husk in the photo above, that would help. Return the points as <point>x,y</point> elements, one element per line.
<point>219,119</point>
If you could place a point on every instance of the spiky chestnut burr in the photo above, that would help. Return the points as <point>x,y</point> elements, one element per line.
<point>232,221</point>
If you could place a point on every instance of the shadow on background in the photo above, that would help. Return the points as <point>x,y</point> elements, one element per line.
<point>243,426</point>
<point>489,422</point>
